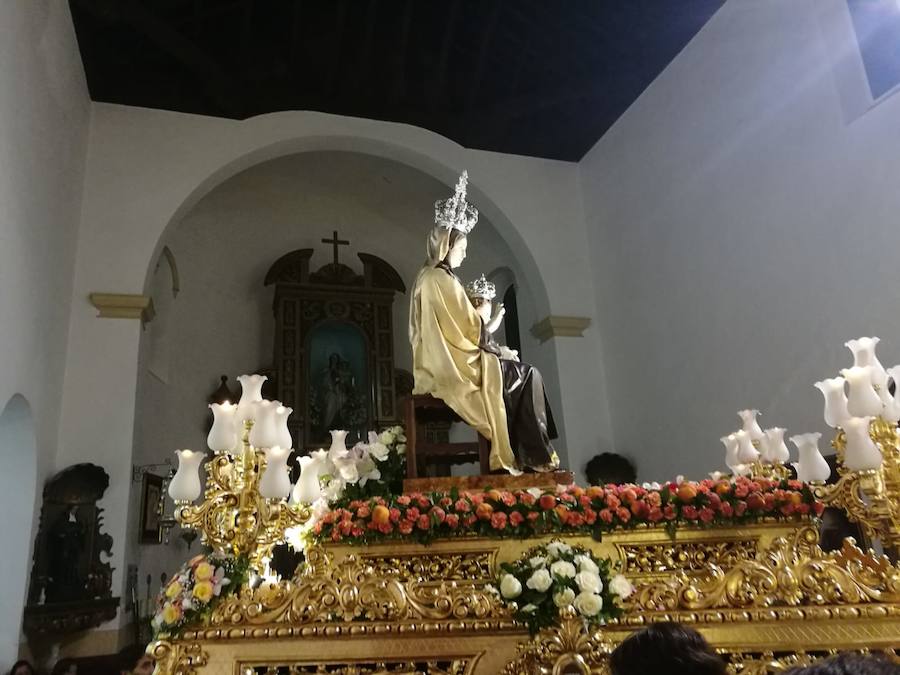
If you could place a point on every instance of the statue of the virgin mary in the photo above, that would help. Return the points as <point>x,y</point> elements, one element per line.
<point>502,399</point>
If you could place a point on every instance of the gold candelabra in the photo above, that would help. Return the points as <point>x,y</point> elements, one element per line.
<point>234,517</point>
<point>871,498</point>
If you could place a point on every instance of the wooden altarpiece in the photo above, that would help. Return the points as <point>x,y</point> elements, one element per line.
<point>334,295</point>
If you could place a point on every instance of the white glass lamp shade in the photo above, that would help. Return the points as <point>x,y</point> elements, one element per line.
<point>282,433</point>
<point>264,433</point>
<point>811,466</point>
<point>731,451</point>
<point>774,449</point>
<point>251,393</point>
<point>747,454</point>
<point>864,356</point>
<point>308,490</point>
<point>835,401</point>
<point>185,484</point>
<point>863,400</point>
<point>223,435</point>
<point>751,426</point>
<point>338,447</point>
<point>275,482</point>
<point>861,453</point>
<point>891,410</point>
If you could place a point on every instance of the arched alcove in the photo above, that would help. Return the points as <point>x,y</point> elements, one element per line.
<point>222,321</point>
<point>18,454</point>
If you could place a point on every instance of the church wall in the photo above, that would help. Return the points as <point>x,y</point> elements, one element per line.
<point>146,171</point>
<point>744,210</point>
<point>44,118</point>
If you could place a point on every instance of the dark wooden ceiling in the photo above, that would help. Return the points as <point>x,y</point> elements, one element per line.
<point>534,77</point>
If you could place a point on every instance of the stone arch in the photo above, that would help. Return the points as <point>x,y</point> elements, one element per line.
<point>18,452</point>
<point>442,169</point>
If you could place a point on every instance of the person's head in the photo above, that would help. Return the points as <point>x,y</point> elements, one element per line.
<point>458,244</point>
<point>22,668</point>
<point>65,667</point>
<point>849,664</point>
<point>134,661</point>
<point>481,294</point>
<point>666,648</point>
<point>609,467</point>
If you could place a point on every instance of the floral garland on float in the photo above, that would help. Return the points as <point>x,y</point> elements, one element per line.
<point>567,510</point>
<point>551,578</point>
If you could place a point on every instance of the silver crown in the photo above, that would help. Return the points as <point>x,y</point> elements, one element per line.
<point>481,288</point>
<point>456,213</point>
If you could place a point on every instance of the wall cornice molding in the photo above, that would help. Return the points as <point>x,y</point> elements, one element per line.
<point>123,306</point>
<point>560,326</point>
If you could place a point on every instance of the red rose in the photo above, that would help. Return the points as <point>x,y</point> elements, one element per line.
<point>412,513</point>
<point>755,501</point>
<point>623,514</point>
<point>405,527</point>
<point>438,513</point>
<point>403,500</point>
<point>471,519</point>
<point>769,499</point>
<point>516,519</point>
<point>452,521</point>
<point>741,490</point>
<point>533,516</point>
<point>606,515</point>
<point>547,502</point>
<point>424,522</point>
<point>395,514</point>
<point>788,509</point>
<point>385,528</point>
<point>669,512</point>
<point>584,501</point>
<point>445,502</point>
<point>498,520</point>
<point>726,510</point>
<point>655,515</point>
<point>802,509</point>
<point>462,506</point>
<point>335,535</point>
<point>690,512</point>
<point>590,516</point>
<point>526,498</point>
<point>819,508</point>
<point>507,498</point>
<point>346,526</point>
<point>740,508</point>
<point>575,519</point>
<point>358,531</point>
<point>640,509</point>
<point>714,500</point>
<point>423,503</point>
<point>707,514</point>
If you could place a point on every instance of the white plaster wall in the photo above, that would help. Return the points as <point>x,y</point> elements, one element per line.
<point>747,226</point>
<point>147,169</point>
<point>44,116</point>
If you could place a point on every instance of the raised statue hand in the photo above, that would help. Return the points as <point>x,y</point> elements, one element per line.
<point>496,320</point>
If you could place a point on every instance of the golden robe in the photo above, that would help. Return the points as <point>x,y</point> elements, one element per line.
<point>448,363</point>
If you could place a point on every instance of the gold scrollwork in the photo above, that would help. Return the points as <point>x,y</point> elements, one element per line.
<point>177,658</point>
<point>568,648</point>
<point>790,572</point>
<point>355,590</point>
<point>662,558</point>
<point>445,566</point>
<point>457,666</point>
<point>768,663</point>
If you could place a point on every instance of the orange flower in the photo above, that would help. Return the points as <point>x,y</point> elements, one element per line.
<point>686,492</point>
<point>381,515</point>
<point>484,511</point>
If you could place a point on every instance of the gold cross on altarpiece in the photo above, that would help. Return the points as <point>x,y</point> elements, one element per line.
<point>335,242</point>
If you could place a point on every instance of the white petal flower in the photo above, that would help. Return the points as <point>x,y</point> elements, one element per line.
<point>588,604</point>
<point>564,598</point>
<point>563,568</point>
<point>589,582</point>
<point>557,548</point>
<point>620,586</point>
<point>585,564</point>
<point>510,587</point>
<point>538,561</point>
<point>540,581</point>
<point>537,493</point>
<point>386,437</point>
<point>529,608</point>
<point>379,451</point>
<point>401,448</point>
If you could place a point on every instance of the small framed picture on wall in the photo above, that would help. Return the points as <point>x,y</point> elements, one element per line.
<point>150,531</point>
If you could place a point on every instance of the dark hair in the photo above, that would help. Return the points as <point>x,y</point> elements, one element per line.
<point>665,648</point>
<point>19,664</point>
<point>129,657</point>
<point>609,467</point>
<point>62,666</point>
<point>849,664</point>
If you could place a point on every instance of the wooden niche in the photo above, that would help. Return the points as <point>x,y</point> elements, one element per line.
<point>334,345</point>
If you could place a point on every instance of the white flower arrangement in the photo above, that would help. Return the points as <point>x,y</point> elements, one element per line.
<point>556,576</point>
<point>373,463</point>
